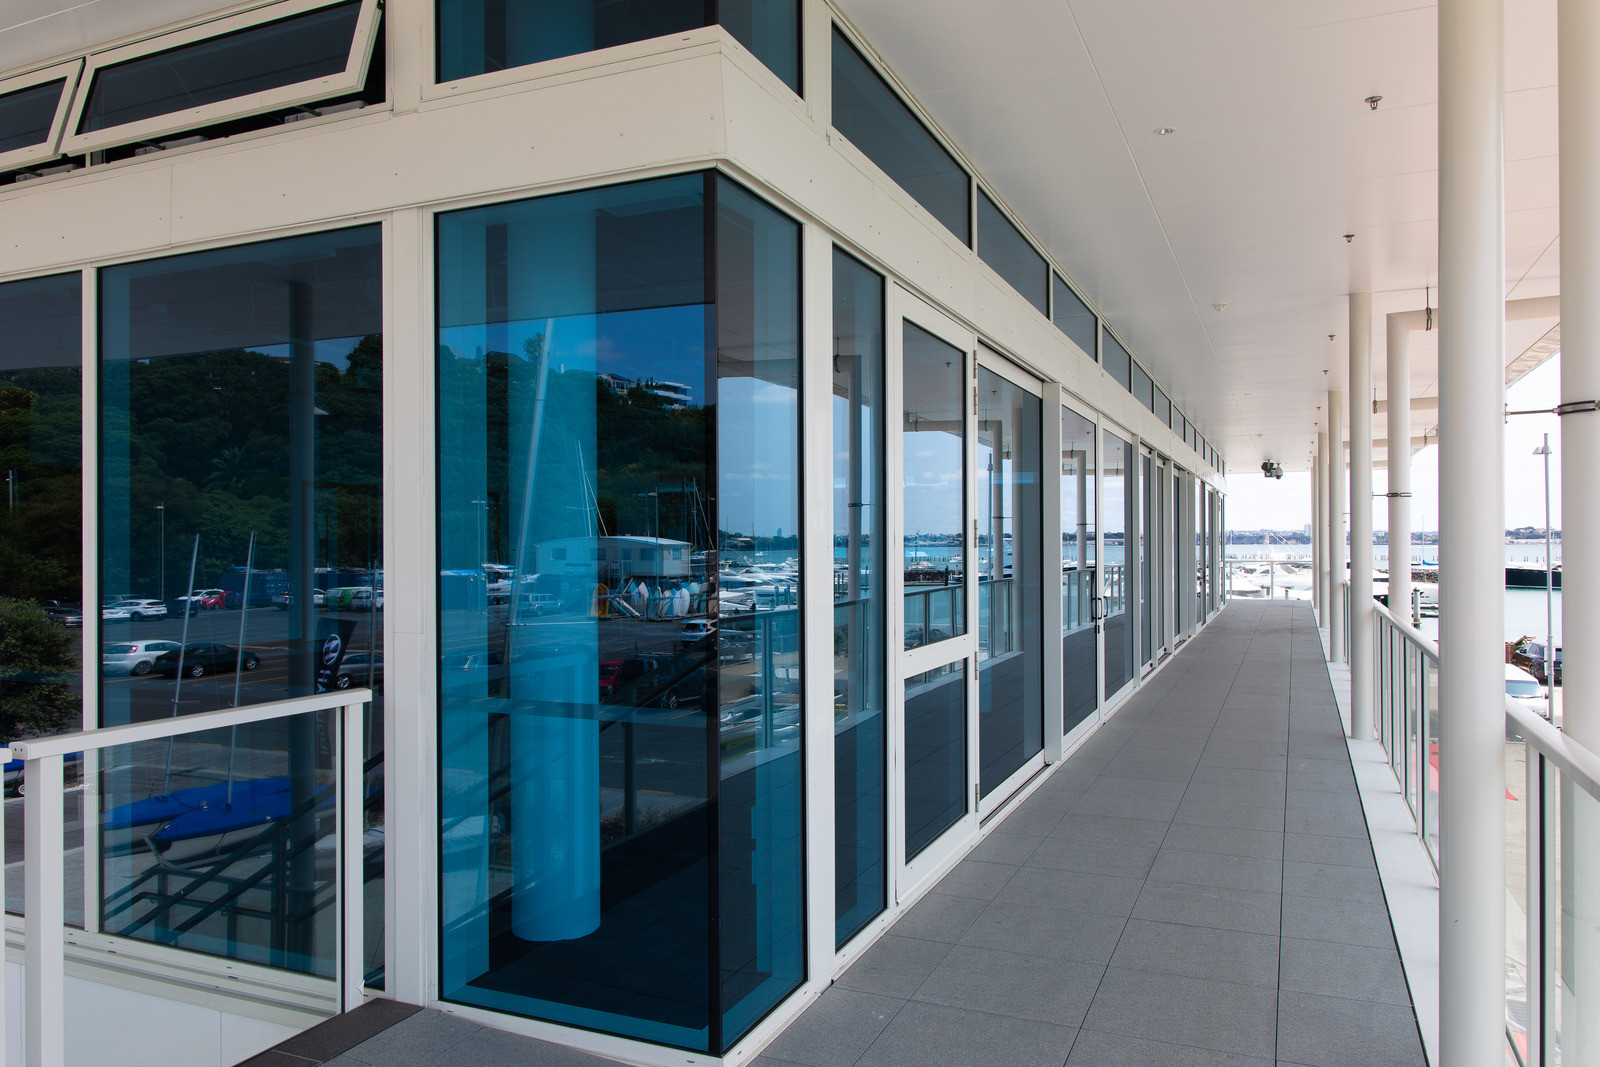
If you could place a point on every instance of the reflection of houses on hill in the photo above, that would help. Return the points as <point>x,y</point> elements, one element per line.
<point>675,394</point>
<point>614,559</point>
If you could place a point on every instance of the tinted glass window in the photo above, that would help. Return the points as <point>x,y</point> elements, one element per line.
<point>1115,359</point>
<point>27,115</point>
<point>877,122</point>
<point>1142,386</point>
<point>292,50</point>
<point>1002,246</point>
<point>1163,407</point>
<point>933,468</point>
<point>479,36</point>
<point>619,609</point>
<point>860,640</point>
<point>1072,316</point>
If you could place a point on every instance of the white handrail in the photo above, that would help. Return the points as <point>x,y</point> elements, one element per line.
<point>1425,644</point>
<point>44,921</point>
<point>1572,759</point>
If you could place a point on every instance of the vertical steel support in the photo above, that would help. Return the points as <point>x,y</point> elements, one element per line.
<point>1362,648</point>
<point>1472,882</point>
<point>1336,538</point>
<point>1320,534</point>
<point>1397,365</point>
<point>1316,536</point>
<point>44,985</point>
<point>1578,32</point>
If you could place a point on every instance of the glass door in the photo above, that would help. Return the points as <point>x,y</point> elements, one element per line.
<point>1007,461</point>
<point>1080,655</point>
<point>1118,526</point>
<point>1148,637</point>
<point>933,743</point>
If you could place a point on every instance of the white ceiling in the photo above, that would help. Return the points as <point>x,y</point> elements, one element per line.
<point>1275,158</point>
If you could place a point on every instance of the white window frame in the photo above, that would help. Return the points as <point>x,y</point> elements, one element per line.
<point>49,148</point>
<point>347,81</point>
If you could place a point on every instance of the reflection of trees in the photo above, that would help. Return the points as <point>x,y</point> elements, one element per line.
<point>36,668</point>
<point>40,440</point>
<point>208,435</point>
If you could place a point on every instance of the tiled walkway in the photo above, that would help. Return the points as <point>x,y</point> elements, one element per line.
<point>1194,886</point>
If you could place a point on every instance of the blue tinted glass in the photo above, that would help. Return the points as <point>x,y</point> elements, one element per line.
<point>479,36</point>
<point>241,496</point>
<point>27,114</point>
<point>1002,246</point>
<point>1163,406</point>
<point>860,812</point>
<point>1078,574</point>
<point>936,754</point>
<point>933,474</point>
<point>1115,358</point>
<point>1117,504</point>
<point>1010,599</point>
<point>270,56</point>
<point>1072,316</point>
<point>619,626</point>
<point>875,120</point>
<point>1141,387</point>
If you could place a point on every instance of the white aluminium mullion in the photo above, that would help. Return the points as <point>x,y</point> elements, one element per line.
<point>89,477</point>
<point>1050,541</point>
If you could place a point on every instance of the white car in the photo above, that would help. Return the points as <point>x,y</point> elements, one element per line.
<point>133,657</point>
<point>1525,689</point>
<point>142,609</point>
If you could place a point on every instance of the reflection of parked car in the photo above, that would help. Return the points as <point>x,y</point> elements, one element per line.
<point>114,615</point>
<point>142,609</point>
<point>200,659</point>
<point>1525,690</point>
<point>283,601</point>
<point>357,667</point>
<point>695,630</point>
<point>1529,655</point>
<point>133,657</point>
<point>354,597</point>
<point>13,769</point>
<point>65,614</point>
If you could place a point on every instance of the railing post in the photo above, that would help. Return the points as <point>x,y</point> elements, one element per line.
<point>44,992</point>
<point>352,846</point>
<point>1397,365</point>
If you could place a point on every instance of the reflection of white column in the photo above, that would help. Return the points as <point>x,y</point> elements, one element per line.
<point>1361,649</point>
<point>1472,884</point>
<point>1336,545</point>
<point>1398,365</point>
<point>1578,33</point>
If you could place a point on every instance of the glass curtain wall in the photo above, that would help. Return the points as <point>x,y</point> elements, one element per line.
<point>1146,540</point>
<point>1080,657</point>
<point>859,610</point>
<point>620,772</point>
<point>479,36</point>
<point>1117,495</point>
<point>241,528</point>
<point>1010,598</point>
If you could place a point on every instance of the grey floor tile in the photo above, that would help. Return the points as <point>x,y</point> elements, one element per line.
<point>504,1049</point>
<point>1169,767</point>
<point>1007,983</point>
<point>1004,847</point>
<point>420,1041</point>
<point>1223,1016</point>
<point>1229,840</point>
<point>894,967</point>
<point>1321,848</point>
<point>1345,921</point>
<point>1221,871</point>
<point>1242,795</point>
<point>940,918</point>
<point>1332,880</point>
<point>1225,810</point>
<point>1029,821</point>
<point>1258,759</point>
<point>1202,905</point>
<point>1124,804</point>
<point>1332,1032</point>
<point>837,1029</point>
<point>1110,828</point>
<point>1128,859</point>
<point>1355,972</point>
<point>1199,952</point>
<point>1331,824</point>
<point>924,1034</point>
<point>1117,1050</point>
<point>1085,936</point>
<point>975,878</point>
<point>1072,891</point>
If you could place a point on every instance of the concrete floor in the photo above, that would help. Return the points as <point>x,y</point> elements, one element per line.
<point>1195,885</point>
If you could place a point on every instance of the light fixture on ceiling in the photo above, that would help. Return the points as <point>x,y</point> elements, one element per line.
<point>1165,131</point>
<point>1372,102</point>
<point>1218,307</point>
<point>1349,237</point>
<point>1270,469</point>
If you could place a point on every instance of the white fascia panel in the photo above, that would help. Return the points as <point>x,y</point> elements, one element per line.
<point>345,82</point>
<point>50,147</point>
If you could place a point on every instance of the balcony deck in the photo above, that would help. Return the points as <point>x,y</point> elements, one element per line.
<point>1195,885</point>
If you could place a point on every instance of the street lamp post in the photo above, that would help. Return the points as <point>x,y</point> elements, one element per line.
<point>161,511</point>
<point>1549,591</point>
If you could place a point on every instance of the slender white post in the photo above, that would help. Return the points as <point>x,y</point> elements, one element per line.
<point>1472,883</point>
<point>44,985</point>
<point>1336,539</point>
<point>1361,650</point>
<point>1397,362</point>
<point>352,849</point>
<point>1578,33</point>
<point>1316,538</point>
<point>1324,543</point>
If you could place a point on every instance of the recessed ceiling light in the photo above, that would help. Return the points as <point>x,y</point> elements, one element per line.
<point>1164,131</point>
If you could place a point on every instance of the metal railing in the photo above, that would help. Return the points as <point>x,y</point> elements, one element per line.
<point>1406,710</point>
<point>164,899</point>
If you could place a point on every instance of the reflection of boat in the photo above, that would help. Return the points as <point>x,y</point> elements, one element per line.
<point>203,819</point>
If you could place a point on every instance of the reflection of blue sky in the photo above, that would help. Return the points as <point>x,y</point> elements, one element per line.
<point>933,483</point>
<point>757,445</point>
<point>659,344</point>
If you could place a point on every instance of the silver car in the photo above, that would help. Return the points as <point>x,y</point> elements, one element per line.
<point>142,609</point>
<point>133,657</point>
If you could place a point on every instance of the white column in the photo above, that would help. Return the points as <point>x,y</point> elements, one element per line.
<point>1316,537</point>
<point>1336,541</point>
<point>1397,362</point>
<point>1472,884</point>
<point>1361,650</point>
<point>1325,616</point>
<point>1578,32</point>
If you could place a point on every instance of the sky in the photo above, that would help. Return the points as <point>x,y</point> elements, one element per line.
<point>1256,502</point>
